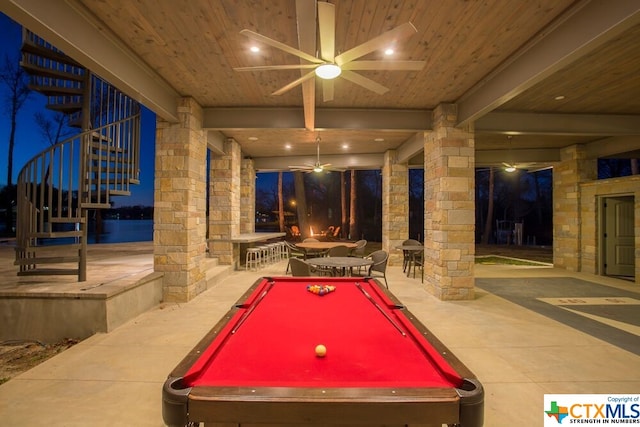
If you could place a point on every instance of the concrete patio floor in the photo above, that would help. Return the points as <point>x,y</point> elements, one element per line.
<point>519,351</point>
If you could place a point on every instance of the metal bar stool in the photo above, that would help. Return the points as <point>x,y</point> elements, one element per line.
<point>252,259</point>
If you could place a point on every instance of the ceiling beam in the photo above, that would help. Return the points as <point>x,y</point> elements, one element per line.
<point>354,161</point>
<point>411,147</point>
<point>619,147</point>
<point>326,119</point>
<point>579,31</point>
<point>67,26</point>
<point>533,155</point>
<point>509,123</point>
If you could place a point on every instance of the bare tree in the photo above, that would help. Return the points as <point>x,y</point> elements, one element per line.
<point>16,81</point>
<point>353,223</point>
<point>280,203</point>
<point>488,223</point>
<point>54,129</point>
<point>343,202</point>
<point>301,203</point>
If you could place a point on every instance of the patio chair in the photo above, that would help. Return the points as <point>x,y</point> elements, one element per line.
<point>359,249</point>
<point>335,235</point>
<point>293,252</point>
<point>338,251</point>
<point>417,259</point>
<point>299,268</point>
<point>406,255</point>
<point>295,232</point>
<point>379,266</point>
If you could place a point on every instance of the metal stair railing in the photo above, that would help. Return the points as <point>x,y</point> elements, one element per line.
<point>58,186</point>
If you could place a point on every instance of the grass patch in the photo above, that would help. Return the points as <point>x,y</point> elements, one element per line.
<point>493,260</point>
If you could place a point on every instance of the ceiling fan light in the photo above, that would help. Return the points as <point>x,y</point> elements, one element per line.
<point>510,169</point>
<point>328,71</point>
<point>317,168</point>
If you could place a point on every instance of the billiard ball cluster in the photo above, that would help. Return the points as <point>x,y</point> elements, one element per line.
<point>320,289</point>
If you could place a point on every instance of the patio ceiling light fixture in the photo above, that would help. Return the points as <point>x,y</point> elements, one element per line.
<point>328,71</point>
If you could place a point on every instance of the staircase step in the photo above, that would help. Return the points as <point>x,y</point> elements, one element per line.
<point>95,205</point>
<point>119,193</point>
<point>56,234</point>
<point>44,52</point>
<point>46,260</point>
<point>68,108</point>
<point>49,272</point>
<point>57,90</point>
<point>134,181</point>
<point>37,70</point>
<point>72,220</point>
<point>51,249</point>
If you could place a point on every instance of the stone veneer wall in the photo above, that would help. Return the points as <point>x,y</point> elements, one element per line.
<point>574,168</point>
<point>247,196</point>
<point>224,202</point>
<point>179,237</point>
<point>395,206</point>
<point>590,192</point>
<point>449,207</point>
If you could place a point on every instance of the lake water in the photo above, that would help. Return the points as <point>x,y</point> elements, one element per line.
<point>122,230</point>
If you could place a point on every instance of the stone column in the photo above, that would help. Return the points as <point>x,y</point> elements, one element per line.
<point>395,206</point>
<point>247,197</point>
<point>449,207</point>
<point>224,203</point>
<point>179,237</point>
<point>574,168</point>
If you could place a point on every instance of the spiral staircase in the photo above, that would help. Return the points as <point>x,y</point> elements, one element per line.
<point>58,188</point>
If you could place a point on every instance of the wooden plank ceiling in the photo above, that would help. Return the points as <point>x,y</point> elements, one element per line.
<point>477,54</point>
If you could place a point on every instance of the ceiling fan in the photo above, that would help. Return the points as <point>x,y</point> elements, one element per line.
<point>511,167</point>
<point>314,167</point>
<point>328,65</point>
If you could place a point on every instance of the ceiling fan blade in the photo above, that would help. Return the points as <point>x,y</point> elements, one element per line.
<point>327,90</point>
<point>306,17</point>
<point>540,169</point>
<point>379,42</point>
<point>309,103</point>
<point>508,165</point>
<point>277,67</point>
<point>294,83</point>
<point>384,65</point>
<point>271,42</point>
<point>364,82</point>
<point>327,29</point>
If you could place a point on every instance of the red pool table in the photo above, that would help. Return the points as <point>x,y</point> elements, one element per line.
<point>258,365</point>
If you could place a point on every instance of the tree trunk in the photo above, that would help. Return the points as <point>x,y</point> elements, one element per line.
<point>280,203</point>
<point>353,223</point>
<point>301,203</point>
<point>343,202</point>
<point>489,222</point>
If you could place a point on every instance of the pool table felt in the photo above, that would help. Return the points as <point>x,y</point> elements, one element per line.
<point>274,345</point>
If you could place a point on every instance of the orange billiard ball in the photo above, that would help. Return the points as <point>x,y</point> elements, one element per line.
<point>321,350</point>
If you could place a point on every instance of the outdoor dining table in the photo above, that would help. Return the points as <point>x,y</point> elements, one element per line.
<point>343,264</point>
<point>320,247</point>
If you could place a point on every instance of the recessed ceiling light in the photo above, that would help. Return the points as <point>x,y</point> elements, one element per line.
<point>389,51</point>
<point>345,146</point>
<point>254,49</point>
<point>287,146</point>
<point>253,138</point>
<point>379,139</point>
<point>559,98</point>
